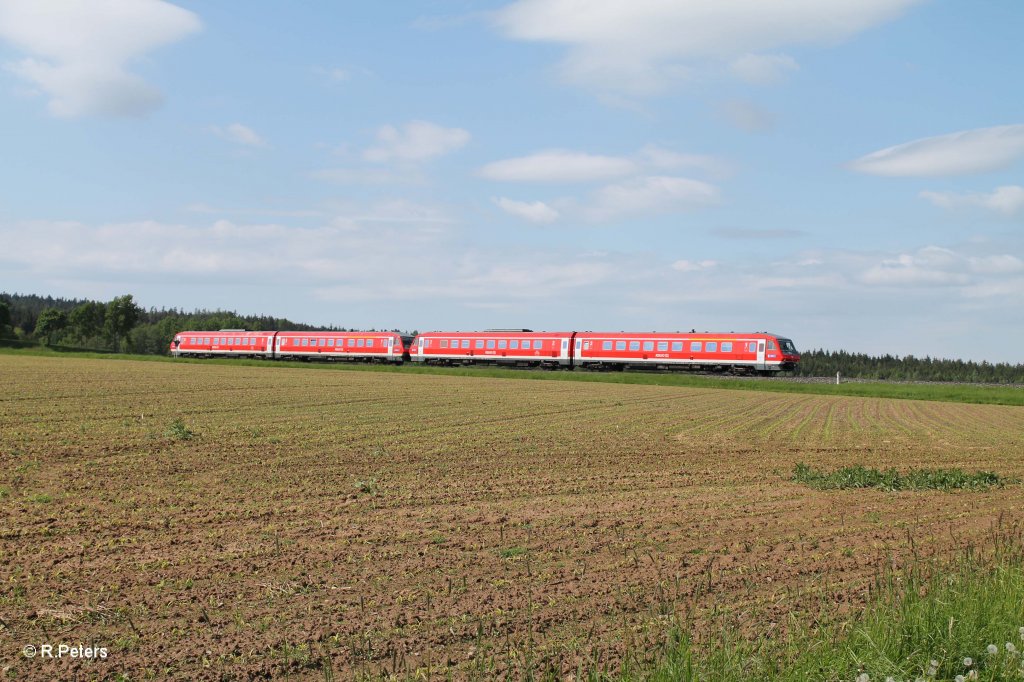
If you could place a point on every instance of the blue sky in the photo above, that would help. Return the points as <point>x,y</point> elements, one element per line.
<point>847,173</point>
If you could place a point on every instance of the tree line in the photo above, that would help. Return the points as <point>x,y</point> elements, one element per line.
<point>824,363</point>
<point>120,325</point>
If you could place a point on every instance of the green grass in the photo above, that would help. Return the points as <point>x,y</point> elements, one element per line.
<point>512,552</point>
<point>930,622</point>
<point>179,431</point>
<point>892,480</point>
<point>959,393</point>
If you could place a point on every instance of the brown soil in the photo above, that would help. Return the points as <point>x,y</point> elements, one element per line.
<point>389,523</point>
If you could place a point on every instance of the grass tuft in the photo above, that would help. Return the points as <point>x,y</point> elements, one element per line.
<point>892,480</point>
<point>368,485</point>
<point>512,552</point>
<point>179,431</point>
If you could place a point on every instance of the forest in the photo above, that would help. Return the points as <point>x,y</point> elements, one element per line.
<point>122,326</point>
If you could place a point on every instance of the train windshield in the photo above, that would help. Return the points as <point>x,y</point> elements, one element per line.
<point>787,346</point>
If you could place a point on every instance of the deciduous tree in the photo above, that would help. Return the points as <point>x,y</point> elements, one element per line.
<point>50,323</point>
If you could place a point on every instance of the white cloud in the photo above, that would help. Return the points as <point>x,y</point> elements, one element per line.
<point>642,46</point>
<point>558,165</point>
<point>969,151</point>
<point>535,212</point>
<point>415,141</point>
<point>651,194</point>
<point>694,266</point>
<point>1008,199</point>
<point>763,69</point>
<point>665,159</point>
<point>929,266</point>
<point>80,50</point>
<point>1000,264</point>
<point>239,134</point>
<point>334,74</point>
<point>747,116</point>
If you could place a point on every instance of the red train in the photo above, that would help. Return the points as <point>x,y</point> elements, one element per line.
<point>756,352</point>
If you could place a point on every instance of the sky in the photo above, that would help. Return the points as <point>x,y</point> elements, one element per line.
<point>845,173</point>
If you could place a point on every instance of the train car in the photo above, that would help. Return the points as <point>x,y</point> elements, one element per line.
<point>515,347</point>
<point>236,343</point>
<point>352,346</point>
<point>760,352</point>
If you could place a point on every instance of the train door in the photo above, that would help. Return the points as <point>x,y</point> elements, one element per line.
<point>760,354</point>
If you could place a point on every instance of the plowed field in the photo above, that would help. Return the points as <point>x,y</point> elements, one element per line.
<point>218,522</point>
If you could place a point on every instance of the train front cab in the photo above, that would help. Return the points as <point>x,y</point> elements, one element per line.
<point>788,356</point>
<point>775,354</point>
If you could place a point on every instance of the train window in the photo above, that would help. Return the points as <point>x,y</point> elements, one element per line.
<point>479,343</point>
<point>193,340</point>
<point>606,345</point>
<point>620,345</point>
<point>369,343</point>
<point>712,346</point>
<point>490,343</point>
<point>206,341</point>
<point>444,343</point>
<point>695,346</point>
<point>752,347</point>
<point>360,343</point>
<point>330,342</point>
<point>238,341</point>
<point>634,345</point>
<point>662,345</point>
<point>726,346</point>
<point>648,345</point>
<point>537,345</point>
<point>771,345</point>
<point>502,343</point>
<point>465,343</point>
<point>322,342</point>
<point>514,344</point>
<point>677,346</point>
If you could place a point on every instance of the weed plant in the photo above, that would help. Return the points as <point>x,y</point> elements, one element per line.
<point>892,480</point>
